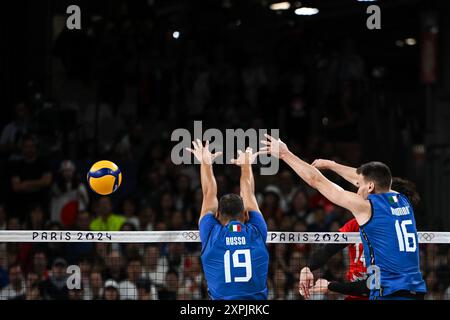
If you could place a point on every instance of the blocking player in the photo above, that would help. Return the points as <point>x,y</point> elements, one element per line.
<point>385,217</point>
<point>233,233</point>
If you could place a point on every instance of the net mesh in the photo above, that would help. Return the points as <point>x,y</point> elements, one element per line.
<point>73,265</point>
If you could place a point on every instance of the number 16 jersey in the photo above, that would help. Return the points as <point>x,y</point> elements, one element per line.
<point>391,245</point>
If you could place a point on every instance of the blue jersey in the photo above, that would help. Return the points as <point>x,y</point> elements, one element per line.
<point>391,243</point>
<point>235,258</point>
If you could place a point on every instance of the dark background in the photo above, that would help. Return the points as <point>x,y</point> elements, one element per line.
<point>118,87</point>
<point>324,66</point>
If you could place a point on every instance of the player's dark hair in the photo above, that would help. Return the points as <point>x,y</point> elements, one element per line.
<point>407,188</point>
<point>377,172</point>
<point>231,205</point>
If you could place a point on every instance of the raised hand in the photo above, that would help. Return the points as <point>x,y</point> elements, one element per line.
<point>275,147</point>
<point>322,164</point>
<point>306,282</point>
<point>202,153</point>
<point>247,157</point>
<point>321,286</point>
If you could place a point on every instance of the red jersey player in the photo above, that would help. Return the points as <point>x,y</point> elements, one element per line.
<point>356,275</point>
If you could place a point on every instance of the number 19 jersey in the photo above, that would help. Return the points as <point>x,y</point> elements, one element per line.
<point>391,245</point>
<point>235,258</point>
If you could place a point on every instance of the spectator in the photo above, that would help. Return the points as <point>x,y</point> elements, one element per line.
<point>193,277</point>
<point>146,290</point>
<point>319,223</point>
<point>56,249</point>
<point>106,220</point>
<point>111,290</point>
<point>271,203</point>
<point>77,294</point>
<point>16,289</point>
<point>33,292</point>
<point>114,267</point>
<point>69,195</point>
<point>166,206</point>
<point>177,221</point>
<point>175,256</point>
<point>127,288</point>
<point>147,219</point>
<point>96,287</point>
<point>30,179</point>
<point>183,196</point>
<point>83,221</point>
<point>35,219</point>
<point>288,189</point>
<point>85,264</point>
<point>155,266</point>
<point>299,206</point>
<point>170,289</point>
<point>40,265</point>
<point>279,291</point>
<point>128,226</point>
<point>14,224</point>
<point>13,132</point>
<point>55,287</point>
<point>432,286</point>
<point>129,210</point>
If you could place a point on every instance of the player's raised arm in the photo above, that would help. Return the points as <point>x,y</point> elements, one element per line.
<point>359,207</point>
<point>208,181</point>
<point>346,172</point>
<point>247,182</point>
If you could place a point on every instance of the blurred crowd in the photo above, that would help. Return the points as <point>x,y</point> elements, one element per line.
<point>119,89</point>
<point>44,198</point>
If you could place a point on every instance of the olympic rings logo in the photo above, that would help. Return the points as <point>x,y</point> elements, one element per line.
<point>426,236</point>
<point>190,235</point>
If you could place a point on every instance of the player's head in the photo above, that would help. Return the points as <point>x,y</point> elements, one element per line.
<point>407,188</point>
<point>374,177</point>
<point>231,207</point>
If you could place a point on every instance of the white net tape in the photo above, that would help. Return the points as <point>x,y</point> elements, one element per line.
<point>191,236</point>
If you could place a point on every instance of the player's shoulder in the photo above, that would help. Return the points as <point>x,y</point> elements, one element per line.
<point>208,216</point>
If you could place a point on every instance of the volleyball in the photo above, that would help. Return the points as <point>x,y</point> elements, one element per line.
<point>104,177</point>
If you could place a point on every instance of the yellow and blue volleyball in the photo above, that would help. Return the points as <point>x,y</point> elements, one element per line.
<point>104,177</point>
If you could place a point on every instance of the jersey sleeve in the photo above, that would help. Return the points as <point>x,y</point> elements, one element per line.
<point>257,219</point>
<point>205,226</point>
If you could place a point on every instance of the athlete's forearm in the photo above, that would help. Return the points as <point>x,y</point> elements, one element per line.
<point>356,288</point>
<point>247,184</point>
<point>320,257</point>
<point>247,181</point>
<point>348,173</point>
<point>306,171</point>
<point>208,181</point>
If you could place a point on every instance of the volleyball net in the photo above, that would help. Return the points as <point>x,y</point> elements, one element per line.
<point>165,265</point>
